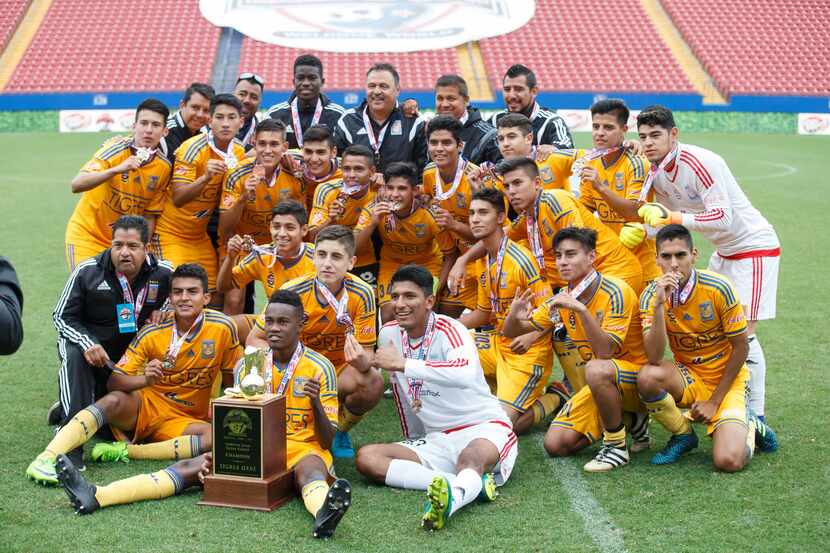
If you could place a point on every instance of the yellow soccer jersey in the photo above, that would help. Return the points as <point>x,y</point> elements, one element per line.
<point>138,192</point>
<point>321,331</point>
<point>190,221</point>
<point>614,305</point>
<point>555,170</point>
<point>187,386</point>
<point>699,330</point>
<point>519,272</point>
<point>327,193</point>
<point>299,414</point>
<point>270,272</point>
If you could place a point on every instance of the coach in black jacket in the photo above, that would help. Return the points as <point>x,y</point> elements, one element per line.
<point>95,315</point>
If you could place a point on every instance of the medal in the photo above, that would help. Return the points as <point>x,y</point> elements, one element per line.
<point>144,154</point>
<point>679,297</point>
<point>176,343</point>
<point>230,162</point>
<point>295,118</point>
<point>341,308</point>
<point>493,284</point>
<point>654,171</point>
<point>227,157</point>
<point>415,384</point>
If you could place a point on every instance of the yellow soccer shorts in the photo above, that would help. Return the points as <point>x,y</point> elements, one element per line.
<point>157,421</point>
<point>387,270</point>
<point>80,249</point>
<point>580,413</point>
<point>177,251</point>
<point>466,296</point>
<point>296,451</point>
<point>732,408</point>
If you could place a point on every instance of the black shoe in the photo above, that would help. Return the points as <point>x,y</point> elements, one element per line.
<point>337,503</point>
<point>54,415</point>
<point>80,492</point>
<point>77,458</point>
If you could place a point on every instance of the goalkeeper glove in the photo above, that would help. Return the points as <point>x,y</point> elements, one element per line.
<point>632,234</point>
<point>656,215</point>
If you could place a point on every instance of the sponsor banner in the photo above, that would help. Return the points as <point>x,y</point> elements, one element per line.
<point>579,120</point>
<point>376,26</point>
<point>814,123</point>
<point>95,120</point>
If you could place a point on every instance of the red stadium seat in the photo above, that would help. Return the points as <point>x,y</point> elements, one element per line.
<point>11,12</point>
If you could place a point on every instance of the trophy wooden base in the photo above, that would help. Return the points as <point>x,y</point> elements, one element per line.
<point>246,493</point>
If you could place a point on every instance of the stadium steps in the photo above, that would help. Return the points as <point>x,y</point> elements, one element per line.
<point>21,39</point>
<point>694,70</point>
<point>471,65</point>
<point>226,63</point>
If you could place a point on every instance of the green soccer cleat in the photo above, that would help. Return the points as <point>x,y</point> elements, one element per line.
<point>439,504</point>
<point>113,452</point>
<point>42,470</point>
<point>488,492</point>
<point>80,492</point>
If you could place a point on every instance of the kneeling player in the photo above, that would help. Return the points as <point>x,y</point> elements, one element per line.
<point>310,386</point>
<point>698,313</point>
<point>457,432</point>
<point>160,390</point>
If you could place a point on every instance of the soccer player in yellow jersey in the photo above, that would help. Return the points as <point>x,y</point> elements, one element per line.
<point>311,421</point>
<point>161,387</point>
<point>201,164</point>
<point>514,133</point>
<point>700,317</point>
<point>611,184</point>
<point>315,162</point>
<point>340,202</point>
<point>521,365</point>
<point>409,232</point>
<point>602,318</point>
<point>126,176</point>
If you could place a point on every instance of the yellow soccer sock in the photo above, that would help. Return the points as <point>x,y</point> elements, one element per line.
<point>76,432</point>
<point>347,419</point>
<point>314,495</point>
<point>614,437</point>
<point>183,447</point>
<point>157,485</point>
<point>665,411</point>
<point>544,406</point>
<point>750,439</point>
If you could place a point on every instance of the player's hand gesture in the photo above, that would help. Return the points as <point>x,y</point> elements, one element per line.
<point>543,151</point>
<point>234,247</point>
<point>591,175</point>
<point>356,355</point>
<point>633,146</point>
<point>215,167</point>
<point>455,280</point>
<point>336,209</point>
<point>152,372</point>
<point>665,285</point>
<point>521,306</point>
<point>376,182</point>
<point>311,389</point>
<point>96,356</point>
<point>703,411</point>
<point>521,344</point>
<point>389,358</point>
<point>381,209</point>
<point>130,164</point>
<point>205,469</point>
<point>443,217</point>
<point>567,301</point>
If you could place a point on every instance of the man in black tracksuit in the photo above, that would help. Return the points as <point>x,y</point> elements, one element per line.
<point>106,300</point>
<point>11,309</point>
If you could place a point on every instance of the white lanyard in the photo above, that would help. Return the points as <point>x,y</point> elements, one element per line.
<point>272,251</point>
<point>495,283</point>
<point>654,171</point>
<point>289,369</point>
<point>533,233</point>
<point>376,143</point>
<point>137,302</point>
<point>415,384</point>
<point>295,118</point>
<point>341,308</point>
<point>440,194</point>
<point>575,293</point>
<point>177,341</point>
<point>227,157</point>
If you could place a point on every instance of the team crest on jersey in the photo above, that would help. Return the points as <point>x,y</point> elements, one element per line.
<point>420,230</point>
<point>547,227</point>
<point>619,181</point>
<point>152,291</point>
<point>572,319</point>
<point>208,349</point>
<point>546,174</point>
<point>297,385</point>
<point>460,201</point>
<point>396,129</point>
<point>707,312</point>
<point>152,183</point>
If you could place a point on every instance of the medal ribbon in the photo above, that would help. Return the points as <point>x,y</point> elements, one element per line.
<point>654,171</point>
<point>440,194</point>
<point>341,308</point>
<point>272,251</point>
<point>137,302</point>
<point>494,283</point>
<point>577,291</point>
<point>531,219</point>
<point>422,352</point>
<point>289,369</point>
<point>309,178</point>
<point>177,341</point>
<point>144,155</point>
<point>679,297</point>
<point>295,118</point>
<point>227,157</point>
<point>375,142</point>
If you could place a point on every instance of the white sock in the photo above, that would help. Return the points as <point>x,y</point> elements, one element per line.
<point>410,475</point>
<point>465,488</point>
<point>757,365</point>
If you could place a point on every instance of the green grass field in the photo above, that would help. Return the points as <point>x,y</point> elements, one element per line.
<point>779,503</point>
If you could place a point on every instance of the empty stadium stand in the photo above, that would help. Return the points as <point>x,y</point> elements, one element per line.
<point>11,11</point>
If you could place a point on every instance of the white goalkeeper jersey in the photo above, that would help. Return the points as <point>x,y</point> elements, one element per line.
<point>699,184</point>
<point>446,390</point>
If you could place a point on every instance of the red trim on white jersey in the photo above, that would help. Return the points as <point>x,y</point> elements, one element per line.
<point>772,252</point>
<point>698,167</point>
<point>447,364</point>
<point>707,216</point>
<point>451,333</point>
<point>757,284</point>
<point>463,426</point>
<point>401,415</point>
<point>511,442</point>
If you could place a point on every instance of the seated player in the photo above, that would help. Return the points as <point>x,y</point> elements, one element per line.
<point>459,444</point>
<point>160,390</point>
<point>698,313</point>
<point>124,177</point>
<point>340,202</point>
<point>409,232</point>
<point>602,318</point>
<point>315,162</point>
<point>522,365</point>
<point>287,257</point>
<point>313,390</point>
<point>340,308</point>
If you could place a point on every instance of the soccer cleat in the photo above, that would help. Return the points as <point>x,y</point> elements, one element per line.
<point>561,390</point>
<point>439,504</point>
<point>765,438</point>
<point>488,491</point>
<point>77,458</point>
<point>111,452</point>
<point>637,426</point>
<point>42,470</point>
<point>338,499</point>
<point>678,445</point>
<point>54,415</point>
<point>342,446</point>
<point>80,492</point>
<point>608,458</point>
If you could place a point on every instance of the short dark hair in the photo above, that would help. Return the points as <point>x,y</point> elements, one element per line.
<point>454,80</point>
<point>337,233</point>
<point>308,60</point>
<point>191,270</point>
<point>656,116</point>
<point>386,67</point>
<point>674,232</point>
<point>198,88</point>
<point>492,196</point>
<point>519,70</point>
<point>137,222</point>
<point>319,133</point>
<point>585,236</point>
<point>515,121</point>
<point>404,170</point>
<point>225,100</point>
<point>359,150</point>
<point>417,275</point>
<point>288,297</point>
<point>156,106</point>
<point>270,125</point>
<point>445,123</point>
<point>524,163</point>
<point>614,106</point>
<point>293,208</point>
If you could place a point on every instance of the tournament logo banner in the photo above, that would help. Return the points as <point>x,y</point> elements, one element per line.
<point>370,25</point>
